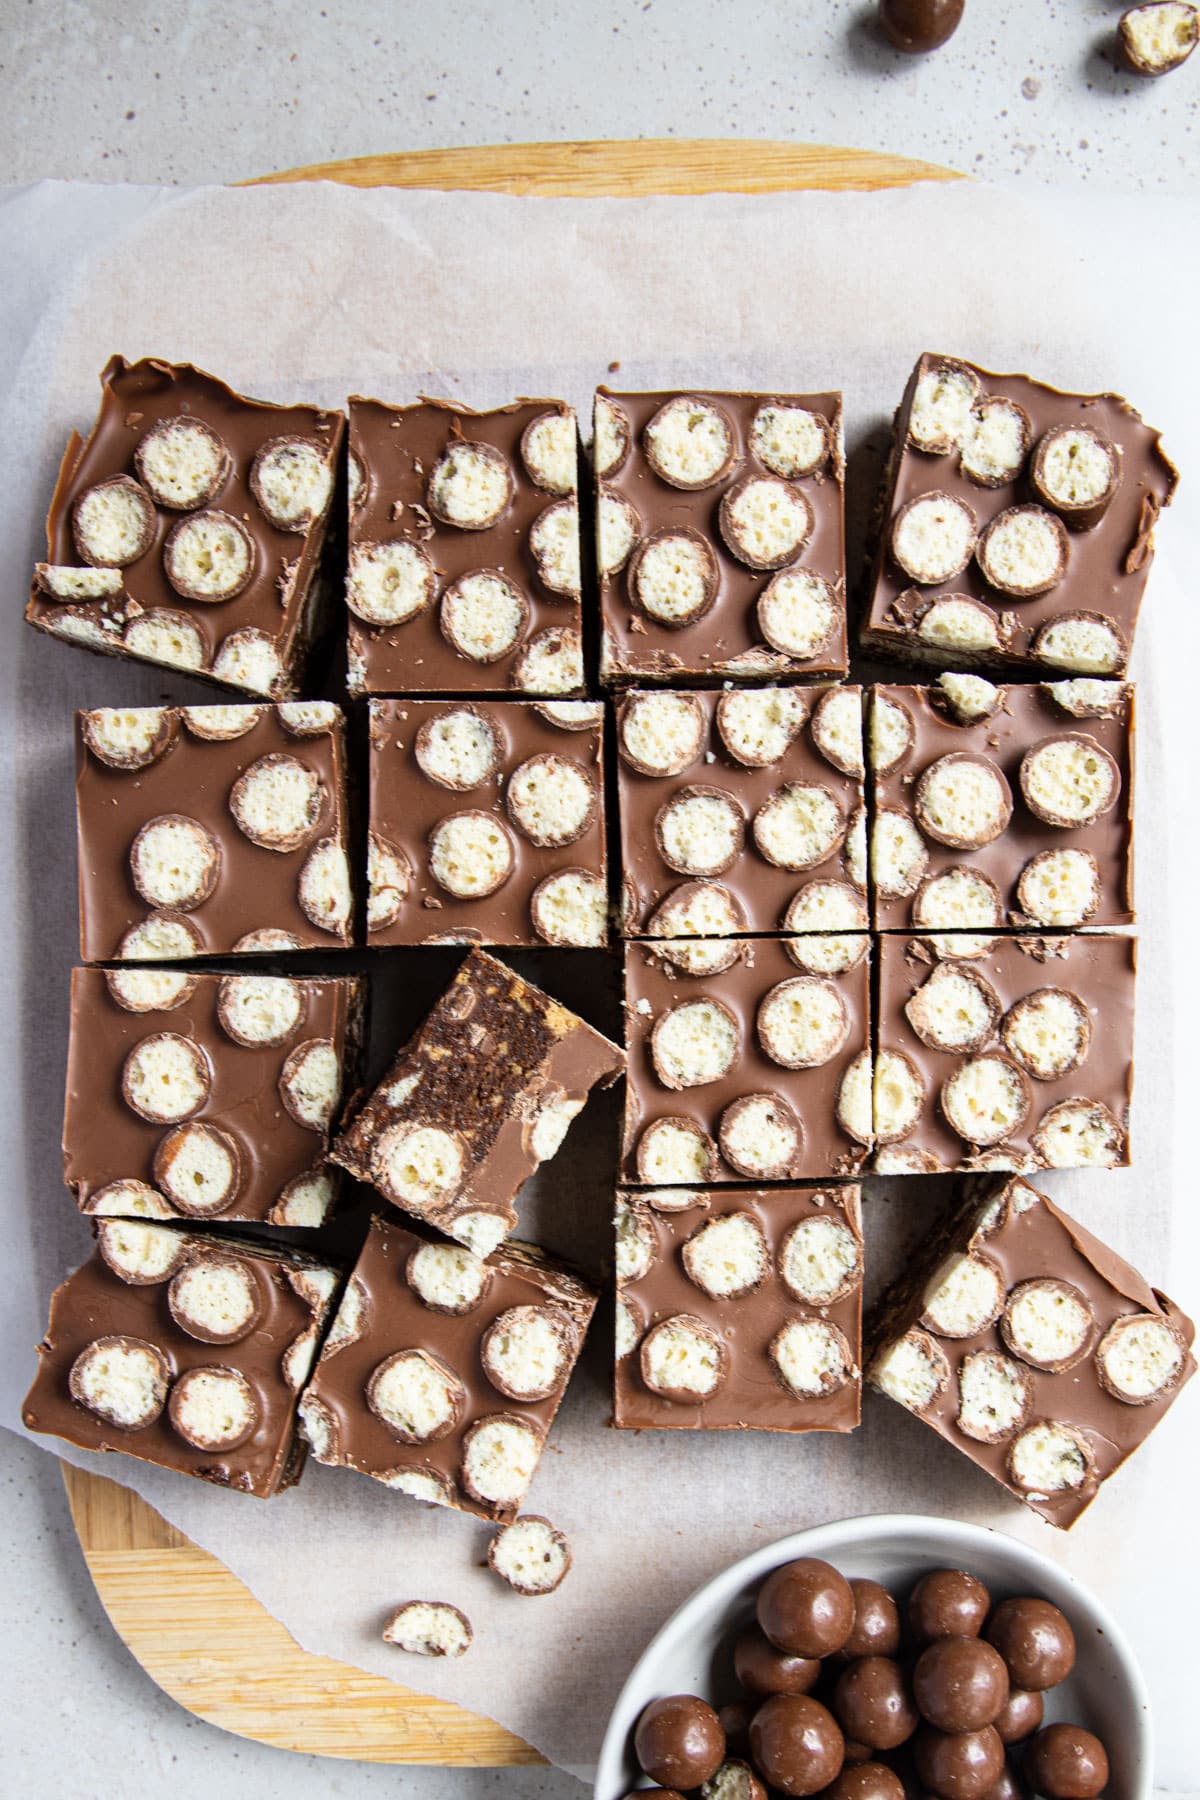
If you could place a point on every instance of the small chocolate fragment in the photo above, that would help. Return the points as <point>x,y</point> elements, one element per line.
<point>873,1704</point>
<point>1036,1641</point>
<point>949,1603</point>
<point>796,1744</point>
<point>1065,1762</point>
<point>531,1554</point>
<point>1158,37</point>
<point>429,1628</point>
<point>806,1608</point>
<point>918,26</point>
<point>960,1684</point>
<point>679,1741</point>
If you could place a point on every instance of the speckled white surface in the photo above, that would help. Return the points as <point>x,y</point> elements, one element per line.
<point>213,91</point>
<point>208,91</point>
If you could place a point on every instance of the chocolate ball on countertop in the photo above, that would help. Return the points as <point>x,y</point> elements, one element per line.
<point>1020,1715</point>
<point>1036,1641</point>
<point>1009,1786</point>
<point>960,1684</point>
<point>663,1793</point>
<point>1066,1762</point>
<point>806,1608</point>
<point>764,1670</point>
<point>876,1627</point>
<point>865,1781</point>
<point>916,26</point>
<point>962,1765</point>
<point>679,1741</point>
<point>872,1704</point>
<point>947,1603</point>
<point>795,1744</point>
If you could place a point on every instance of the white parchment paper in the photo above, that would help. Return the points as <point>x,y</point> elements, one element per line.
<point>317,292</point>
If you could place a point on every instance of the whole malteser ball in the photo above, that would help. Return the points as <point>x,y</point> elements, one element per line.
<point>872,1704</point>
<point>1036,1641</point>
<point>1020,1715</point>
<point>876,1627</point>
<point>960,1684</point>
<point>795,1744</point>
<point>962,1765</point>
<point>1008,1787</point>
<point>679,1741</point>
<point>947,1603</point>
<point>865,1781</point>
<point>806,1607</point>
<point>663,1793</point>
<point>916,26</point>
<point>1066,1762</point>
<point>762,1669</point>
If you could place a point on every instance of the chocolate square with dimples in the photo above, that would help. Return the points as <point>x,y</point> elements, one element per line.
<point>1030,1346</point>
<point>739,1311</point>
<point>754,1065</point>
<point>442,1374</point>
<point>487,823</point>
<point>187,1352</point>
<point>464,566</point>
<point>1017,525</point>
<point>720,536</point>
<point>1018,1057</point>
<point>741,811</point>
<point>999,807</point>
<point>207,1096</point>
<point>212,830</point>
<point>188,529</point>
<point>485,1091</point>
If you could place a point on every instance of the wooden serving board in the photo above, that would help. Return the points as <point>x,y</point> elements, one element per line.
<point>194,1627</point>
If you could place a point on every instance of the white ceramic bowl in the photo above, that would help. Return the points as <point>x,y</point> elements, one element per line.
<point>690,1655</point>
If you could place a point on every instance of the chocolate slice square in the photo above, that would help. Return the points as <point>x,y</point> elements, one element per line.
<point>487,823</point>
<point>464,571</point>
<point>189,529</point>
<point>739,1311</point>
<point>720,536</point>
<point>1016,526</point>
<point>184,1351</point>
<point>1001,807</point>
<point>210,830</point>
<point>1019,1057</point>
<point>754,1065</point>
<point>207,1096</point>
<point>1030,1346</point>
<point>443,1372</point>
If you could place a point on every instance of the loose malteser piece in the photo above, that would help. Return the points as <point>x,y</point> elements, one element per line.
<point>739,810</point>
<point>184,1353</point>
<point>1019,1056</point>
<point>1158,37</point>
<point>1002,807</point>
<point>1018,522</point>
<point>487,819</point>
<point>752,1071</point>
<point>207,1096</point>
<point>739,1311</point>
<point>720,539</point>
<point>464,550</point>
<point>531,1554</point>
<point>1050,1378</point>
<point>190,529</point>
<point>211,830</point>
<point>429,1628</point>
<point>443,1372</point>
<point>482,1094</point>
